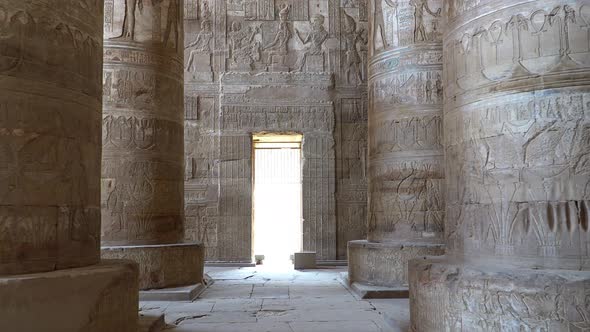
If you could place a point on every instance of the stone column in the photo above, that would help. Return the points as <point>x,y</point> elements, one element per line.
<point>406,180</point>
<point>517,99</point>
<point>51,277</point>
<point>143,142</point>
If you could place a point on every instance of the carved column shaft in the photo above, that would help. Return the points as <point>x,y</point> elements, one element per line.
<point>51,277</point>
<point>517,151</point>
<point>406,178</point>
<point>143,163</point>
<point>516,133</point>
<point>50,66</point>
<point>143,143</point>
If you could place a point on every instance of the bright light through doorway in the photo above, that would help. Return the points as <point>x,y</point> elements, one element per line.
<point>277,197</point>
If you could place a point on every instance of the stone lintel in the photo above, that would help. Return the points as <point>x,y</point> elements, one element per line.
<point>96,298</point>
<point>163,266</point>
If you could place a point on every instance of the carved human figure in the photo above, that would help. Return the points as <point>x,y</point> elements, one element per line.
<point>352,37</point>
<point>379,21</point>
<point>316,38</point>
<point>201,45</point>
<point>419,7</point>
<point>172,23</point>
<point>128,32</point>
<point>280,44</point>
<point>244,47</point>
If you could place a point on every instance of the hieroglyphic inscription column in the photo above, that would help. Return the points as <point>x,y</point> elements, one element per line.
<point>50,106</point>
<point>143,139</point>
<point>517,148</point>
<point>406,178</point>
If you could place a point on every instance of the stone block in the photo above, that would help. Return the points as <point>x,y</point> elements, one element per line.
<point>97,298</point>
<point>304,260</point>
<point>163,266</point>
<point>315,63</point>
<point>445,296</point>
<point>385,264</point>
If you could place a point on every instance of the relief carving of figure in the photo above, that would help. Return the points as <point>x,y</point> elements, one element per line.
<point>128,32</point>
<point>201,45</point>
<point>280,44</point>
<point>419,29</point>
<point>316,38</point>
<point>172,22</point>
<point>244,48</point>
<point>379,21</point>
<point>352,36</point>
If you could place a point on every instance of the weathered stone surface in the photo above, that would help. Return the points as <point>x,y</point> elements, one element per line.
<point>385,264</point>
<point>143,140</point>
<point>457,297</point>
<point>277,66</point>
<point>163,266</point>
<point>516,98</point>
<point>97,298</point>
<point>50,64</point>
<point>515,130</point>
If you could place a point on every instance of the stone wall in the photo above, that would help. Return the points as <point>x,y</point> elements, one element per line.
<point>246,71</point>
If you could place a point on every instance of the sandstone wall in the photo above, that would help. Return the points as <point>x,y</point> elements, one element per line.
<point>246,70</point>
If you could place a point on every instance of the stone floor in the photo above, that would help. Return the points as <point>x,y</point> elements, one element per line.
<point>280,299</point>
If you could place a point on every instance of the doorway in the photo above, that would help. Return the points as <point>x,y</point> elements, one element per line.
<point>277,197</point>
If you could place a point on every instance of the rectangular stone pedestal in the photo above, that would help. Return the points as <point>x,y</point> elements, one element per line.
<point>304,260</point>
<point>184,293</point>
<point>163,266</point>
<point>97,298</point>
<point>385,264</point>
<point>451,296</point>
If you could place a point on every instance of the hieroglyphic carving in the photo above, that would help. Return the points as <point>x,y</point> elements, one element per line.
<point>408,88</point>
<point>299,10</point>
<point>191,9</point>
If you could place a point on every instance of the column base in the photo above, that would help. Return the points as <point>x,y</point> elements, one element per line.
<point>163,266</point>
<point>97,298</point>
<point>453,297</point>
<point>379,270</point>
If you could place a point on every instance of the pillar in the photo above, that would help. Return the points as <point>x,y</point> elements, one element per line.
<point>406,180</point>
<point>143,142</point>
<point>517,100</point>
<point>51,276</point>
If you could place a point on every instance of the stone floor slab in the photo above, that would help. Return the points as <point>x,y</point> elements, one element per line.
<point>266,299</point>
